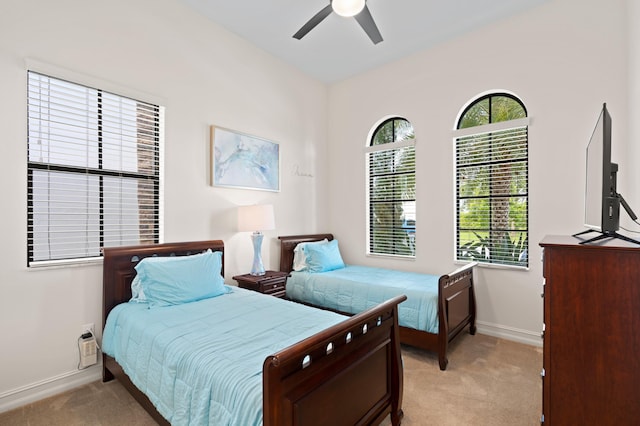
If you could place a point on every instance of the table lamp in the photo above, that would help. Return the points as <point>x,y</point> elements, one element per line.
<point>256,218</point>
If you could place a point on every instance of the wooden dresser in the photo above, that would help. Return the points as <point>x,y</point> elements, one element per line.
<point>591,361</point>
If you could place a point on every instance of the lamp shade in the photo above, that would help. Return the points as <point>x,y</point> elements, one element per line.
<point>347,7</point>
<point>256,218</point>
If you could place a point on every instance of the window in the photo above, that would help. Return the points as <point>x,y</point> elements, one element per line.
<point>93,170</point>
<point>492,182</point>
<point>391,166</point>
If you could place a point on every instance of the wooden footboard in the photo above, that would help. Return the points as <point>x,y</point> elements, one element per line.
<point>456,302</point>
<point>334,377</point>
<point>348,374</point>
<point>456,308</point>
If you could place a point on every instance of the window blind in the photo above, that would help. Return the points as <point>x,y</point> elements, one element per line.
<point>93,170</point>
<point>492,196</point>
<point>392,200</point>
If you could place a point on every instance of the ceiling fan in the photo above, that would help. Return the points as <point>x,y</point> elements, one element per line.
<point>347,8</point>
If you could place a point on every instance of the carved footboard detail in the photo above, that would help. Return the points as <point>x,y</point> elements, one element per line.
<point>357,361</point>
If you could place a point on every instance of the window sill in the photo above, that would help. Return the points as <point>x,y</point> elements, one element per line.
<point>55,264</point>
<point>493,265</point>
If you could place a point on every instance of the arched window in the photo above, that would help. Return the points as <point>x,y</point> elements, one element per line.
<point>391,191</point>
<point>492,189</point>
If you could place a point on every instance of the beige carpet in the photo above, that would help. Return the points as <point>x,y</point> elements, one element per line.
<point>489,381</point>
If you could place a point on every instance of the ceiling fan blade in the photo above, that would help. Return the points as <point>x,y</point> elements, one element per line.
<point>311,24</point>
<point>365,20</point>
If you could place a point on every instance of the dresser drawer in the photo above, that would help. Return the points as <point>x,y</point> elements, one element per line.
<point>273,286</point>
<point>272,283</point>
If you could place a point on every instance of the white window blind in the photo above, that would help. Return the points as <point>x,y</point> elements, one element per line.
<point>391,190</point>
<point>492,196</point>
<point>93,170</point>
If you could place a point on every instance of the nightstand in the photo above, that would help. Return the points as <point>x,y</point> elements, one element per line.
<point>272,283</point>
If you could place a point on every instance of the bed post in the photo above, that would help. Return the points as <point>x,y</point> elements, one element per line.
<point>443,325</point>
<point>397,374</point>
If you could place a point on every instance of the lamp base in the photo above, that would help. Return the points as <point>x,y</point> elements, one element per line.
<point>257,268</point>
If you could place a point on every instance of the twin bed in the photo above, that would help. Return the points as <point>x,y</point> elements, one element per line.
<point>239,357</point>
<point>232,356</point>
<point>437,308</point>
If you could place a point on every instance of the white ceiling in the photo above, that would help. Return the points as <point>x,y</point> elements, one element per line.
<point>338,48</point>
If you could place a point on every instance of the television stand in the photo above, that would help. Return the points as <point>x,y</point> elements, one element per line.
<point>603,235</point>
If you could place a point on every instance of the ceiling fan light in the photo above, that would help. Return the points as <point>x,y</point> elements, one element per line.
<point>347,7</point>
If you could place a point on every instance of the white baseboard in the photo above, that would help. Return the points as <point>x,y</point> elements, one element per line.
<point>45,388</point>
<point>509,333</point>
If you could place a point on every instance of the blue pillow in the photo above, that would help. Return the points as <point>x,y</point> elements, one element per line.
<point>181,279</point>
<point>323,257</point>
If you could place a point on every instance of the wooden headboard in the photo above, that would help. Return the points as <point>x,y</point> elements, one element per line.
<point>288,243</point>
<point>119,263</point>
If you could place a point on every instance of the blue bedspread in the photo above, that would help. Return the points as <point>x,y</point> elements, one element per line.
<point>200,363</point>
<point>355,288</point>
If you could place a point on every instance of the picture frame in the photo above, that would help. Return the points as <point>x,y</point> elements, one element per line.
<point>243,161</point>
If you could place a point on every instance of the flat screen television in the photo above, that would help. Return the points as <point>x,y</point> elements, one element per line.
<point>602,200</point>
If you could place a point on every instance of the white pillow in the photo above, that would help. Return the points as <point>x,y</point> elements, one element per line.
<point>299,257</point>
<point>137,292</point>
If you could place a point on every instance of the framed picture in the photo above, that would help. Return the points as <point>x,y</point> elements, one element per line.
<point>244,161</point>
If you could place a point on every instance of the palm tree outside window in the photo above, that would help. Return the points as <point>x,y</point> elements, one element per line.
<point>492,195</point>
<point>391,189</point>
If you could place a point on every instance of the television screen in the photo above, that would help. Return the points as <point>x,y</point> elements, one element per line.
<point>596,160</point>
<point>601,200</point>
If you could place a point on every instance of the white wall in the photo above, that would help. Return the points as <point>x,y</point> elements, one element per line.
<point>563,59</point>
<point>203,75</point>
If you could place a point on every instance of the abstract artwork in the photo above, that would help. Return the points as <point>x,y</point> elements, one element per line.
<point>244,161</point>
